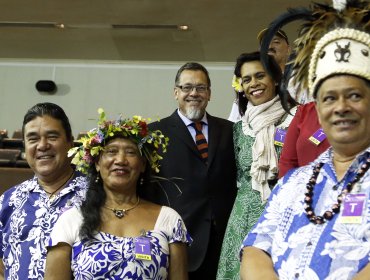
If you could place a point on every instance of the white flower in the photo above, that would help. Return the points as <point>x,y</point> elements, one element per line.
<point>331,249</point>
<point>301,236</point>
<point>339,5</point>
<point>340,274</point>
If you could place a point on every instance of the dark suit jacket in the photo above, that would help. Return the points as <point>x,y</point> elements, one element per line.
<point>208,191</point>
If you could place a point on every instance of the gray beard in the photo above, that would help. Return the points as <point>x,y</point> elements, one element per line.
<point>194,114</point>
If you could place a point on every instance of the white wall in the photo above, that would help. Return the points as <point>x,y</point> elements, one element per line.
<point>129,88</point>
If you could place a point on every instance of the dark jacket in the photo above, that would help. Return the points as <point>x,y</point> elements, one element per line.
<point>208,190</point>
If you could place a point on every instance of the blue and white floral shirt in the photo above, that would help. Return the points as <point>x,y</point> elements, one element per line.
<point>106,256</point>
<point>300,249</point>
<point>27,216</point>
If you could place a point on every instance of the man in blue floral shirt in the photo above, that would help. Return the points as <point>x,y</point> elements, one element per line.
<point>316,224</point>
<point>28,211</point>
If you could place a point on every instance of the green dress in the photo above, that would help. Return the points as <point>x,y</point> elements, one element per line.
<point>247,208</point>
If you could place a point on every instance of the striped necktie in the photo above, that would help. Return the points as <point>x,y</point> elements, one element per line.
<point>200,140</point>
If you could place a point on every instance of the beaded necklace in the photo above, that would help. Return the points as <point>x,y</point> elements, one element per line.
<point>329,214</point>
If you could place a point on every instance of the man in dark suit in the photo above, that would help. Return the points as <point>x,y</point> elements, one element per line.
<point>208,174</point>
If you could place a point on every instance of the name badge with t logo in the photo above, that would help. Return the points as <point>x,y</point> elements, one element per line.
<point>143,248</point>
<point>318,137</point>
<point>353,208</point>
<point>279,138</point>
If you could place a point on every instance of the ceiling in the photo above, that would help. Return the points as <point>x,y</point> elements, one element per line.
<point>146,30</point>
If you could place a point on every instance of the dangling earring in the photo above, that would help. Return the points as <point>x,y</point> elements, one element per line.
<point>141,181</point>
<point>97,179</point>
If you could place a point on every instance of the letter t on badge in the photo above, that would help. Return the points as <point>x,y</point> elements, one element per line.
<point>353,208</point>
<point>279,137</point>
<point>143,248</point>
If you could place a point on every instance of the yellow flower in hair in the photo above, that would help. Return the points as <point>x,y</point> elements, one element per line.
<point>237,84</point>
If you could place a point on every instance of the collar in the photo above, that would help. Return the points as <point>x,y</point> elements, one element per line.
<point>327,156</point>
<point>32,185</point>
<point>188,122</point>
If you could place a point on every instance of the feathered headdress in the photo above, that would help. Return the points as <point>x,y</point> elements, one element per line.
<point>331,40</point>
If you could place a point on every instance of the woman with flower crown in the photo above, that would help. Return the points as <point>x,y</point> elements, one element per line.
<point>316,224</point>
<point>257,142</point>
<point>116,234</point>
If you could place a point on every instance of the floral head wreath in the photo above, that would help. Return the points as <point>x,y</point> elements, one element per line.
<point>331,40</point>
<point>135,129</point>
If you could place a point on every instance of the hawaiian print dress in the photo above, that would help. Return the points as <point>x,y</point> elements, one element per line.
<point>113,257</point>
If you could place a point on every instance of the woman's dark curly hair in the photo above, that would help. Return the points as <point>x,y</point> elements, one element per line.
<point>286,100</point>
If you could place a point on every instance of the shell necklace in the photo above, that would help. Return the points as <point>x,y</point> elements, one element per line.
<point>329,214</point>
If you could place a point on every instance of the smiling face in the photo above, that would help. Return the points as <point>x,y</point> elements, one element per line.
<point>257,85</point>
<point>192,104</point>
<point>120,165</point>
<point>46,148</point>
<point>343,106</point>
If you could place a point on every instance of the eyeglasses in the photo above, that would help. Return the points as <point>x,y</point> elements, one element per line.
<point>189,88</point>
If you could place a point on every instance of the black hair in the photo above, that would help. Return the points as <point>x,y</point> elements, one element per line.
<point>193,66</point>
<point>286,100</point>
<point>96,196</point>
<point>52,110</point>
<point>288,75</point>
